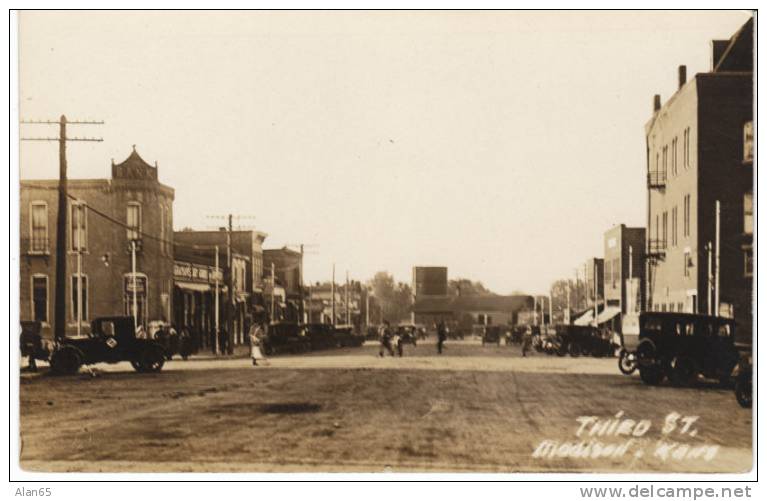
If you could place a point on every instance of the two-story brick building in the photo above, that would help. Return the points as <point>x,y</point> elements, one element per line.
<point>698,158</point>
<point>103,217</point>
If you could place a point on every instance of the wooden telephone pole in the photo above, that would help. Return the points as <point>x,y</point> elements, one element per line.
<point>60,300</point>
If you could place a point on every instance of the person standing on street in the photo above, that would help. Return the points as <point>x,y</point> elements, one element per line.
<point>527,341</point>
<point>257,334</point>
<point>441,336</point>
<point>385,336</point>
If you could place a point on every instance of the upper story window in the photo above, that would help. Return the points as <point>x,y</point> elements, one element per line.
<point>163,236</point>
<point>134,220</point>
<point>665,161</point>
<point>38,242</point>
<point>687,215</point>
<point>686,147</point>
<point>748,141</point>
<point>674,170</point>
<point>78,235</point>
<point>748,213</point>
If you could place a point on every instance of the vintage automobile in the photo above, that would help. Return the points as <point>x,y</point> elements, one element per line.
<point>682,346</point>
<point>744,392</point>
<point>408,334</point>
<point>514,336</point>
<point>491,334</point>
<point>111,340</point>
<point>629,340</point>
<point>32,343</point>
<point>584,340</point>
<point>320,336</point>
<point>285,337</point>
<point>345,336</point>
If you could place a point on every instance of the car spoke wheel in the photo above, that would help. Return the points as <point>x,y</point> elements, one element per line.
<point>152,359</point>
<point>651,374</point>
<point>66,361</point>
<point>744,391</point>
<point>627,362</point>
<point>682,371</point>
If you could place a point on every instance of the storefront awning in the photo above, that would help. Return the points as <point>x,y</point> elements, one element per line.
<point>192,286</point>
<point>607,314</point>
<point>585,319</point>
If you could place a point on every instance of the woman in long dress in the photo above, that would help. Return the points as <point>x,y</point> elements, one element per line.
<point>256,335</point>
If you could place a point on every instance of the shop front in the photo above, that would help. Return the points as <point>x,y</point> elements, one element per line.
<point>195,287</point>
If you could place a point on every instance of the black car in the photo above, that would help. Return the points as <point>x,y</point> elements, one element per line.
<point>584,340</point>
<point>284,337</point>
<point>491,335</point>
<point>345,336</point>
<point>111,340</point>
<point>321,336</point>
<point>408,334</point>
<point>682,346</point>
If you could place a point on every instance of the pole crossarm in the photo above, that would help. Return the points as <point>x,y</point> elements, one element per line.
<point>92,139</point>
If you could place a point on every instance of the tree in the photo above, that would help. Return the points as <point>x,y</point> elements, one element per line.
<point>394,298</point>
<point>465,287</point>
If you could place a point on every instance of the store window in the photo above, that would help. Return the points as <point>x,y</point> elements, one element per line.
<point>40,298</point>
<point>78,226</point>
<point>39,228</point>
<point>748,213</point>
<point>83,300</point>
<point>133,220</point>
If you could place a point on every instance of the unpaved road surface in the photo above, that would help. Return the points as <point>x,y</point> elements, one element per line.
<point>473,409</point>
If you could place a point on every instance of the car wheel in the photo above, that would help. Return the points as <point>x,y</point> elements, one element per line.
<point>646,354</point>
<point>651,374</point>
<point>561,350</point>
<point>743,390</point>
<point>66,361</point>
<point>574,350</point>
<point>627,363</point>
<point>682,371</point>
<point>152,359</point>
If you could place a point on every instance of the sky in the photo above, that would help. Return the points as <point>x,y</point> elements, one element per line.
<point>499,144</point>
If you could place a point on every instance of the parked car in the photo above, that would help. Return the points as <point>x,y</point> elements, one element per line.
<point>111,340</point>
<point>285,337</point>
<point>320,336</point>
<point>584,340</point>
<point>682,346</point>
<point>345,336</point>
<point>491,335</point>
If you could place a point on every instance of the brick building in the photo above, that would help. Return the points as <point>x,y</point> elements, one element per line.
<point>103,216</point>
<point>246,273</point>
<point>699,151</point>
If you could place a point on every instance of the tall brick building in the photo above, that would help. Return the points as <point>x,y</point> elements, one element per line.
<point>104,217</point>
<point>699,151</point>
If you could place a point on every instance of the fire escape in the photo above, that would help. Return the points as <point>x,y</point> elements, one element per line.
<point>656,246</point>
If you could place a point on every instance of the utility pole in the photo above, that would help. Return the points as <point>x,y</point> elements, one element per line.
<point>301,285</point>
<point>78,246</point>
<point>717,282</point>
<point>596,295</point>
<point>346,299</point>
<point>566,316</point>
<point>551,310</point>
<point>215,341</point>
<point>230,286</point>
<point>708,279</point>
<point>133,282</point>
<point>333,296</point>
<point>535,310</point>
<point>60,300</point>
<point>630,299</point>
<point>273,283</point>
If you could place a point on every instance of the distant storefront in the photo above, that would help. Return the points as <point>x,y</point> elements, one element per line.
<point>194,300</point>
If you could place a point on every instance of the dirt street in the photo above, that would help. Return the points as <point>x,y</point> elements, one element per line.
<point>473,409</point>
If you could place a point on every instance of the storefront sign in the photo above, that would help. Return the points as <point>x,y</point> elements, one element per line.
<point>196,272</point>
<point>140,285</point>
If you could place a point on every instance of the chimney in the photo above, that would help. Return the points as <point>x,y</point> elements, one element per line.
<point>682,75</point>
<point>656,102</point>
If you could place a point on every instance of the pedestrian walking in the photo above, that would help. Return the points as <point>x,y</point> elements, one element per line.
<point>527,341</point>
<point>441,336</point>
<point>385,335</point>
<point>257,334</point>
<point>31,344</point>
